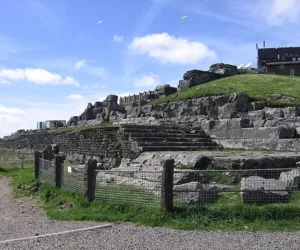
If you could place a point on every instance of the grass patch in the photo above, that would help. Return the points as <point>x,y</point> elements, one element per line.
<point>228,213</point>
<point>273,90</point>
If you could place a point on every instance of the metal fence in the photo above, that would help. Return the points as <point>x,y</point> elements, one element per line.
<point>180,187</point>
<point>135,187</point>
<point>47,171</point>
<point>14,158</point>
<point>246,186</point>
<point>73,179</point>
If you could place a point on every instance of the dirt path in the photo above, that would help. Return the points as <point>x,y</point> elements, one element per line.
<point>18,218</point>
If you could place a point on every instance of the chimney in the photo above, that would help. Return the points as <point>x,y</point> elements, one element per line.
<point>264,45</point>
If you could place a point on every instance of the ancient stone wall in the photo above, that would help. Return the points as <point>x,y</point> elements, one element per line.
<point>235,121</point>
<point>102,143</point>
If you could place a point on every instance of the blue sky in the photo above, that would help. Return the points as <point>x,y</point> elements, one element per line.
<point>55,57</point>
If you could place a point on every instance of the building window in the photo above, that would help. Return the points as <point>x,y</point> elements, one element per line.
<point>298,58</point>
<point>294,59</point>
<point>278,56</point>
<point>292,72</point>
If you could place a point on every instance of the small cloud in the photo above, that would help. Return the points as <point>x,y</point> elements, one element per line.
<point>118,39</point>
<point>80,64</point>
<point>12,51</point>
<point>3,81</point>
<point>280,12</point>
<point>75,97</point>
<point>37,76</point>
<point>9,110</point>
<point>169,49</point>
<point>150,80</point>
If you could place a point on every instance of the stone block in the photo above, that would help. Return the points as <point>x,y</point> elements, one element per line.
<point>259,123</point>
<point>260,133</point>
<point>238,123</point>
<point>291,112</point>
<point>284,132</point>
<point>258,190</point>
<point>272,123</point>
<point>235,133</point>
<point>146,109</point>
<point>256,115</point>
<point>228,111</point>
<point>212,113</point>
<point>240,100</point>
<point>219,133</point>
<point>291,178</point>
<point>273,113</point>
<point>218,124</point>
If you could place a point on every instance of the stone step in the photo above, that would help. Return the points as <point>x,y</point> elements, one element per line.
<point>170,139</point>
<point>151,130</point>
<point>181,144</point>
<point>178,148</point>
<point>164,134</point>
<point>148,126</point>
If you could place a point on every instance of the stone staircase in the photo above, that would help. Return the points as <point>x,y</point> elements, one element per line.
<point>166,138</point>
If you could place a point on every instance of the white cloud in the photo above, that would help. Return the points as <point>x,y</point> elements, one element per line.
<point>283,11</point>
<point>83,64</point>
<point>3,81</point>
<point>32,112</point>
<point>37,76</point>
<point>9,110</point>
<point>118,39</point>
<point>169,49</point>
<point>150,80</point>
<point>75,97</point>
<point>80,64</point>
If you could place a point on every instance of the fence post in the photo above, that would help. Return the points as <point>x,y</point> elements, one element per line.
<point>58,161</point>
<point>90,177</point>
<point>167,184</point>
<point>37,156</point>
<point>22,160</point>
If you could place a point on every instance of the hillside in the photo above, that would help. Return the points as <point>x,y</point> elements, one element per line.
<point>273,90</point>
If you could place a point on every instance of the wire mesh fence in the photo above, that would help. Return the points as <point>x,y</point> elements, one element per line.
<point>227,187</point>
<point>18,159</point>
<point>185,187</point>
<point>134,187</point>
<point>73,179</point>
<point>47,171</point>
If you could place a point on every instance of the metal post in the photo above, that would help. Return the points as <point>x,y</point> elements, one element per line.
<point>37,156</point>
<point>58,161</point>
<point>90,178</point>
<point>22,160</point>
<point>167,185</point>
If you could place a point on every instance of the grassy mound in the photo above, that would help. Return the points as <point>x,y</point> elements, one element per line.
<point>273,90</point>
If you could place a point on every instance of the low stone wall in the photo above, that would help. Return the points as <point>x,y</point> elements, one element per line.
<point>102,143</point>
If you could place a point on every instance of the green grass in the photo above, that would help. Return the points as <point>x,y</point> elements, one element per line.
<point>273,90</point>
<point>228,213</point>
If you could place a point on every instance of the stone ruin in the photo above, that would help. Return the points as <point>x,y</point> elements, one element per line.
<point>99,112</point>
<point>142,98</point>
<point>110,110</point>
<point>216,71</point>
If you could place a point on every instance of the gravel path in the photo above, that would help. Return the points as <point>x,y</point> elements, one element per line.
<point>15,224</point>
<point>18,218</point>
